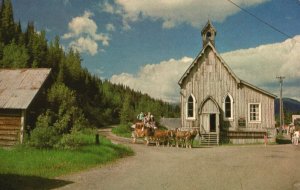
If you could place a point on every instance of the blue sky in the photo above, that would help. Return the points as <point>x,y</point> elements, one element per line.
<point>125,40</point>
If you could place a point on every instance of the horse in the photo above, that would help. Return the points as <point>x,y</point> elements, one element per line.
<point>140,131</point>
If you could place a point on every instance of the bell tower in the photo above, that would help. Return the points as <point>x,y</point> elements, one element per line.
<point>208,34</point>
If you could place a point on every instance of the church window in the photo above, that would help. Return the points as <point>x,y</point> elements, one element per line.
<point>228,107</point>
<point>191,107</point>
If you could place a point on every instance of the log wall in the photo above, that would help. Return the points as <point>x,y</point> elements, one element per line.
<point>9,130</point>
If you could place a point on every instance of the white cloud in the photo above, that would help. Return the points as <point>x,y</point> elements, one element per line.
<point>85,45</point>
<point>107,7</point>
<point>110,27</point>
<point>83,32</point>
<point>258,66</point>
<point>81,25</point>
<point>262,64</point>
<point>172,13</point>
<point>157,80</point>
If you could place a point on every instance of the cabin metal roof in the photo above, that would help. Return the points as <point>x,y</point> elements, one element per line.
<point>18,87</point>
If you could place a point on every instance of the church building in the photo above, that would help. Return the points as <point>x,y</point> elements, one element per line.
<point>223,106</point>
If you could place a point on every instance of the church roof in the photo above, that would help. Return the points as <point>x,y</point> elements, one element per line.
<point>200,55</point>
<point>239,81</point>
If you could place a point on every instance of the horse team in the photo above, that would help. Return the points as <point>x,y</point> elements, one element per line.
<point>175,137</point>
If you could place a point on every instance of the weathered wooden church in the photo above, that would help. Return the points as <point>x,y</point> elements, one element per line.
<point>224,107</point>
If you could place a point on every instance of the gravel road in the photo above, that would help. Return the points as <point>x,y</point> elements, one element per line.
<point>225,167</point>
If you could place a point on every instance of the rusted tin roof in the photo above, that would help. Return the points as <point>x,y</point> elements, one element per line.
<point>18,87</point>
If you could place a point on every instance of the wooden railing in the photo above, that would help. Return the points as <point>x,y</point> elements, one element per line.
<point>209,139</point>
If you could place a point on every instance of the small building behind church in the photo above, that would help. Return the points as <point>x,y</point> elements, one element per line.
<point>223,106</point>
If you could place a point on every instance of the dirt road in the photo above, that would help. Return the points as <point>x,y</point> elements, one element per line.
<point>227,167</point>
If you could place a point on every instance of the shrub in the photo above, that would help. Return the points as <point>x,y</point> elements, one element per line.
<point>74,140</point>
<point>45,119</point>
<point>44,137</point>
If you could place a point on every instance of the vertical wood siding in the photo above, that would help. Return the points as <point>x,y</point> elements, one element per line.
<point>211,78</point>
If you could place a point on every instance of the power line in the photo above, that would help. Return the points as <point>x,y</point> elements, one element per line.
<point>261,20</point>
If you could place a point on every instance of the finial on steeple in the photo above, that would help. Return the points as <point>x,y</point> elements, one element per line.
<point>208,34</point>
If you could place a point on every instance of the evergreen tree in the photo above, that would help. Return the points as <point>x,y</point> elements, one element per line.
<point>1,52</point>
<point>29,35</point>
<point>55,56</point>
<point>1,29</point>
<point>7,22</point>
<point>39,49</point>
<point>14,56</point>
<point>19,37</point>
<point>126,114</point>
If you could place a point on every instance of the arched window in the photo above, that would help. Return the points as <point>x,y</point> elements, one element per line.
<point>228,107</point>
<point>191,107</point>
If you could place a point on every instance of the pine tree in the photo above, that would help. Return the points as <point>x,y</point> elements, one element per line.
<point>29,38</point>
<point>39,49</point>
<point>55,56</point>
<point>126,111</point>
<point>14,56</point>
<point>19,37</point>
<point>7,22</point>
<point>1,29</point>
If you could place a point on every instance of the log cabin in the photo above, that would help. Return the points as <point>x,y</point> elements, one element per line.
<point>20,98</point>
<point>224,107</point>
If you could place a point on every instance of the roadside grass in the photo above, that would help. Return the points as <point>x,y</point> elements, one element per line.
<point>26,161</point>
<point>122,130</point>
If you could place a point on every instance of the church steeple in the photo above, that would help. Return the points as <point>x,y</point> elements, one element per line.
<point>208,34</point>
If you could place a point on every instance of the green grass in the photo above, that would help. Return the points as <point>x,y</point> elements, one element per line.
<point>122,130</point>
<point>26,161</point>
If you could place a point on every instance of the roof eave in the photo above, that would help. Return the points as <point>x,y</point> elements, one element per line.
<point>258,89</point>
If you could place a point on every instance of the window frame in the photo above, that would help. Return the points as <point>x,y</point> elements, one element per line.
<point>259,113</point>
<point>224,108</point>
<point>187,108</point>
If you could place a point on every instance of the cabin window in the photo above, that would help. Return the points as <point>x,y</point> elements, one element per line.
<point>191,107</point>
<point>228,108</point>
<point>254,112</point>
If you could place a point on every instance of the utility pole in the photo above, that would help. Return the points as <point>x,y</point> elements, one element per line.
<point>281,104</point>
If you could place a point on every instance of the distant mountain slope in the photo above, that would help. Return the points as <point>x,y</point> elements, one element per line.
<point>290,105</point>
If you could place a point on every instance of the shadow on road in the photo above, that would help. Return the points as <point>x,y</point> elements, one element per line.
<point>14,181</point>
